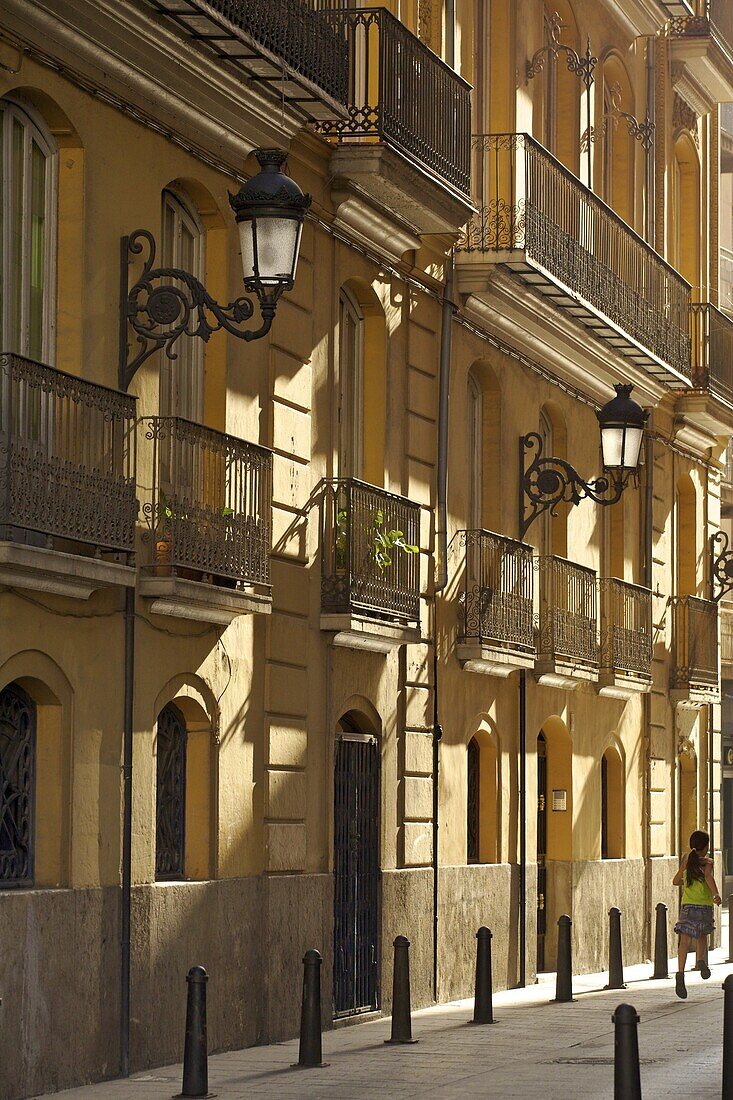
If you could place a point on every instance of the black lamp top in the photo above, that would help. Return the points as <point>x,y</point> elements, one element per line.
<point>270,188</point>
<point>621,409</point>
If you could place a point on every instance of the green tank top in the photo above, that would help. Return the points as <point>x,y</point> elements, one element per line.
<point>697,892</point>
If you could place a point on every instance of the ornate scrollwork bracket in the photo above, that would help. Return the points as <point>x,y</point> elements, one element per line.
<point>547,482</point>
<point>167,303</point>
<point>721,565</point>
<point>582,64</point>
<point>643,132</point>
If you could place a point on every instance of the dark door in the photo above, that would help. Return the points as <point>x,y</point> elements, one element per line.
<point>356,875</point>
<point>541,850</point>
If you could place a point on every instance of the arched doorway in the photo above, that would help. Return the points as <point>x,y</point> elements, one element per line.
<point>356,866</point>
<point>554,832</point>
<point>541,850</point>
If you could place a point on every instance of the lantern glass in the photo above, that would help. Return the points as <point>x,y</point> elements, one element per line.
<point>270,248</point>
<point>620,446</point>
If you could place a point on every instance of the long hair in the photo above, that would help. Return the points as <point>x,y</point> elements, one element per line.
<point>699,844</point>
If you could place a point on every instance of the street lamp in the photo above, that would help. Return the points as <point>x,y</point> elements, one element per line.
<point>166,303</point>
<point>548,482</point>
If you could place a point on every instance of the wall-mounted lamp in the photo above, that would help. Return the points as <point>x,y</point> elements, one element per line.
<point>166,303</point>
<point>548,482</point>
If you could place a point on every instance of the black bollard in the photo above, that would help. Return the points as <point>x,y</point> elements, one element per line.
<point>626,1073</point>
<point>195,1057</point>
<point>728,1037</point>
<point>483,1008</point>
<point>661,949</point>
<point>615,956</point>
<point>730,928</point>
<point>564,987</point>
<point>310,1053</point>
<point>401,1020</point>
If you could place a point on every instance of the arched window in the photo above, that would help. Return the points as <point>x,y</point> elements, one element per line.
<point>687,211</point>
<point>562,89</point>
<point>183,247</point>
<point>483,433</point>
<point>170,803</point>
<point>27,234</point>
<point>618,147</point>
<point>482,799</point>
<point>351,385</point>
<point>476,455</point>
<point>17,786</point>
<point>613,816</point>
<point>686,536</point>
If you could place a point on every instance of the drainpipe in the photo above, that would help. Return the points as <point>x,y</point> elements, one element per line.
<point>646,704</point>
<point>127,832</point>
<point>441,534</point>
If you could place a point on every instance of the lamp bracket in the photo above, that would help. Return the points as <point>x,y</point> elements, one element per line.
<point>547,482</point>
<point>581,64</point>
<point>721,565</point>
<point>166,303</point>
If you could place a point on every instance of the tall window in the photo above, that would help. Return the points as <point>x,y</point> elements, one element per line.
<point>351,386</point>
<point>17,762</point>
<point>476,457</point>
<point>545,520</point>
<point>27,234</point>
<point>170,805</point>
<point>182,379</point>
<point>482,800</point>
<point>474,759</point>
<point>613,815</point>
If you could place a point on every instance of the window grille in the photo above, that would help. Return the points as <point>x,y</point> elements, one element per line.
<point>171,794</point>
<point>17,766</point>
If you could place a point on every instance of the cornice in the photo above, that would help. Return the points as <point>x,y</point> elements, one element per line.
<point>128,58</point>
<point>639,17</point>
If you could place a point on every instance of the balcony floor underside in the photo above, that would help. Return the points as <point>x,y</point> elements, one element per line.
<point>581,311</point>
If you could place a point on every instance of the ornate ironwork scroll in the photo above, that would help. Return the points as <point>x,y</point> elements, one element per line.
<point>17,777</point>
<point>643,132</point>
<point>498,596</point>
<point>167,303</point>
<point>568,617</point>
<point>170,803</point>
<point>626,634</point>
<point>721,565</point>
<point>549,482</point>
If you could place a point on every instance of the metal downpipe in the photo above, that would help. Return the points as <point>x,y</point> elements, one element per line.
<point>522,827</point>
<point>126,892</point>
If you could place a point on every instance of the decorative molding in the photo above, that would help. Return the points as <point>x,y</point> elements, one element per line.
<point>684,117</point>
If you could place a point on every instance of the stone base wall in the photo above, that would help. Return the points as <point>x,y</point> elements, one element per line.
<point>60,989</point>
<point>407,910</point>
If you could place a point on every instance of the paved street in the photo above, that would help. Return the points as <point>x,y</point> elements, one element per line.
<point>536,1048</point>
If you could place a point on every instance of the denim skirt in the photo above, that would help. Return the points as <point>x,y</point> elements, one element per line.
<point>695,920</point>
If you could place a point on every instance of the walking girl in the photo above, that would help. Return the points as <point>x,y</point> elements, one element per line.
<point>699,894</point>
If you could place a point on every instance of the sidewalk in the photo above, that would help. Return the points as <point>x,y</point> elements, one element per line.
<point>535,1049</point>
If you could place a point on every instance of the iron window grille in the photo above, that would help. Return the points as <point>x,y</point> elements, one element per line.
<point>17,782</point>
<point>170,802</point>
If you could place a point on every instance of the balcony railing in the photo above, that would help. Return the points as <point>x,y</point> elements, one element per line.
<point>359,573</point>
<point>211,509</point>
<point>401,93</point>
<point>715,17</point>
<point>626,631</point>
<point>528,201</point>
<point>568,619</point>
<point>67,459</point>
<point>694,642</point>
<point>286,45</point>
<point>712,351</point>
<point>498,596</point>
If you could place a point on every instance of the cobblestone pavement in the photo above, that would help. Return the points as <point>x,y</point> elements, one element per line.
<point>535,1048</point>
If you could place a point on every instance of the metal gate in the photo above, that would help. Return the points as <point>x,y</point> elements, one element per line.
<point>541,851</point>
<point>356,875</point>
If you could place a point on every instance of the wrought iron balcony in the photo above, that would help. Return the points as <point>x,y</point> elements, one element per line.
<point>538,219</point>
<point>67,461</point>
<point>210,509</point>
<point>496,633</point>
<point>626,638</point>
<point>567,641</point>
<point>401,93</point>
<point>712,352</point>
<point>694,677</point>
<point>702,50</point>
<point>715,19</point>
<point>285,46</point>
<point>370,564</point>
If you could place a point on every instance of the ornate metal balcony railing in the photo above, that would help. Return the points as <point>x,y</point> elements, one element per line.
<point>498,594</point>
<point>210,512</point>
<point>568,617</point>
<point>354,574</point>
<point>527,200</point>
<point>694,642</point>
<point>626,628</point>
<point>67,458</point>
<point>287,45</point>
<point>403,94</point>
<point>712,351</point>
<point>715,17</point>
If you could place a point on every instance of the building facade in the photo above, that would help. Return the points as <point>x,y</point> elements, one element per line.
<point>290,655</point>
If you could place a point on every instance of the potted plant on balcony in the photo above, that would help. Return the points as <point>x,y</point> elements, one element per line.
<point>383,541</point>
